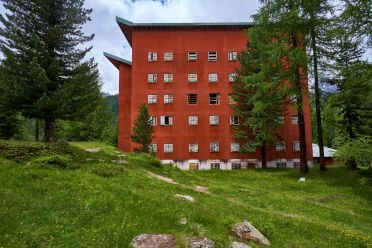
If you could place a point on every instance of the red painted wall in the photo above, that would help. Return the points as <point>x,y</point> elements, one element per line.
<point>134,89</point>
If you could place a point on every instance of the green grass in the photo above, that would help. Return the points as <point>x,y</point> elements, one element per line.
<point>51,207</point>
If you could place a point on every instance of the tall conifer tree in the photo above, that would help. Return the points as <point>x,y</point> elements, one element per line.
<point>143,129</point>
<point>45,67</point>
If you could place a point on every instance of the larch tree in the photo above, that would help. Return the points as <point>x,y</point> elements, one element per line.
<point>143,130</point>
<point>45,67</point>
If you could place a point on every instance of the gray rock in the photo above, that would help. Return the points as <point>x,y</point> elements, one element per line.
<point>154,241</point>
<point>200,242</point>
<point>93,150</point>
<point>239,245</point>
<point>183,221</point>
<point>186,197</point>
<point>246,231</point>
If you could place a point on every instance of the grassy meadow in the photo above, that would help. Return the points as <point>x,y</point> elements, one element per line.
<point>90,201</point>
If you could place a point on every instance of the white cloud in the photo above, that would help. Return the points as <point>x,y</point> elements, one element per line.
<point>109,37</point>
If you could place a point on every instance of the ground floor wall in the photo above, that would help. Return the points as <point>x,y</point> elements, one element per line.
<point>233,164</point>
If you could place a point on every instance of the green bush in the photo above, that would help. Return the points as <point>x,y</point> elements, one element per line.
<point>108,170</point>
<point>358,150</point>
<point>54,161</point>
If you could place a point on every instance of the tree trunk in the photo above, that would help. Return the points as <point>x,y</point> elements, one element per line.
<point>263,155</point>
<point>304,168</point>
<point>317,102</point>
<point>37,130</point>
<point>49,128</point>
<point>349,126</point>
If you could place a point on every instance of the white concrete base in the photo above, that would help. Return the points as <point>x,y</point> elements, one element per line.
<point>233,164</point>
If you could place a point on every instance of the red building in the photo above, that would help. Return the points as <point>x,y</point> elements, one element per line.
<point>185,73</point>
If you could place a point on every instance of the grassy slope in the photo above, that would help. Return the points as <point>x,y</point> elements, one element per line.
<point>75,208</point>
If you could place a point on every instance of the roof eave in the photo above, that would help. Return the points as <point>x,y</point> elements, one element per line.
<point>116,61</point>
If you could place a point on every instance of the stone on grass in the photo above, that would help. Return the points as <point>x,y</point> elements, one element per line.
<point>154,241</point>
<point>183,221</point>
<point>93,150</point>
<point>246,231</point>
<point>302,179</point>
<point>186,197</point>
<point>199,242</point>
<point>239,245</point>
<point>201,189</point>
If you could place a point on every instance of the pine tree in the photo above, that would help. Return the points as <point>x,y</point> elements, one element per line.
<point>143,129</point>
<point>259,93</point>
<point>45,67</point>
<point>282,19</point>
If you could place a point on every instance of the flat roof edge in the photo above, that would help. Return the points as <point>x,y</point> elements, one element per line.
<point>116,58</point>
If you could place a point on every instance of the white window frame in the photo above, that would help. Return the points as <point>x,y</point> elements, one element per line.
<point>214,120</point>
<point>153,148</point>
<point>154,121</point>
<point>152,56</point>
<point>235,147</point>
<point>152,78</point>
<point>168,56</point>
<point>217,100</point>
<point>193,120</point>
<point>168,98</point>
<point>295,119</point>
<point>234,120</point>
<point>152,98</point>
<point>168,78</point>
<point>212,56</point>
<point>293,98</point>
<point>166,120</point>
<point>213,77</point>
<point>280,119</point>
<point>280,146</point>
<point>193,148</point>
<point>232,77</point>
<point>192,78</point>
<point>214,146</point>
<point>296,146</point>
<point>168,148</point>
<point>232,55</point>
<point>192,56</point>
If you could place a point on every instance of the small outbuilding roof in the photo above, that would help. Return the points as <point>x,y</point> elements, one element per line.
<point>328,152</point>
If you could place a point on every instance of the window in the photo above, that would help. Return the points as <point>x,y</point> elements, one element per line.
<point>215,166</point>
<point>153,120</point>
<point>153,148</point>
<point>233,56</point>
<point>280,164</point>
<point>193,120</point>
<point>213,120</point>
<point>193,147</point>
<point>168,78</point>
<point>296,165</point>
<point>192,56</point>
<point>168,98</point>
<point>166,120</point>
<point>168,148</point>
<point>234,120</point>
<point>230,99</point>
<point>236,166</point>
<point>235,147</point>
<point>232,77</point>
<point>152,56</point>
<point>212,56</point>
<point>215,146</point>
<point>280,146</point>
<point>212,77</point>
<point>294,119</point>
<point>293,99</point>
<point>152,99</point>
<point>280,119</point>
<point>214,98</point>
<point>192,78</point>
<point>296,146</point>
<point>168,56</point>
<point>152,78</point>
<point>192,98</point>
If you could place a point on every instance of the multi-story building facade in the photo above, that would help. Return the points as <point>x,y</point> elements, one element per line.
<point>185,73</point>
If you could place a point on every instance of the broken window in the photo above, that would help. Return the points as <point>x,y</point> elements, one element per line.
<point>214,98</point>
<point>192,98</point>
<point>192,56</point>
<point>152,56</point>
<point>166,120</point>
<point>212,56</point>
<point>153,120</point>
<point>234,120</point>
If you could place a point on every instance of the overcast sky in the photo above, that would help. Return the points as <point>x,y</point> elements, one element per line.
<point>109,37</point>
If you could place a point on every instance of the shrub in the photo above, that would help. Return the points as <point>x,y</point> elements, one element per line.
<point>108,170</point>
<point>358,150</point>
<point>55,161</point>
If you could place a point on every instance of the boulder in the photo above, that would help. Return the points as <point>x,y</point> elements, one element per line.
<point>154,241</point>
<point>199,242</point>
<point>186,197</point>
<point>239,245</point>
<point>246,231</point>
